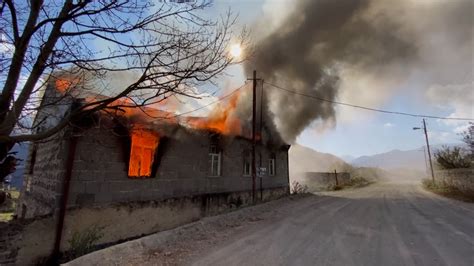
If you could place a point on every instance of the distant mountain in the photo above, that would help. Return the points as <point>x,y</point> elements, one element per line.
<point>413,159</point>
<point>348,158</point>
<point>303,159</point>
<point>397,159</point>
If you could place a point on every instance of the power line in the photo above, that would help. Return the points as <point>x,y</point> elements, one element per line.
<point>369,108</point>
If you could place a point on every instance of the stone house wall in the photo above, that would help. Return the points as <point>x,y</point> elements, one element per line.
<point>30,241</point>
<point>99,173</point>
<point>101,193</point>
<point>43,178</point>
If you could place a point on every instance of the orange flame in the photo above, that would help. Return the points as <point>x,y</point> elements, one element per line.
<point>64,85</point>
<point>144,144</point>
<point>222,119</point>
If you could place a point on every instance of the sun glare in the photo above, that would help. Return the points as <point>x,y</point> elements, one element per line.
<point>235,50</point>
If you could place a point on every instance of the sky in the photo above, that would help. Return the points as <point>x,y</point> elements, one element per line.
<point>360,132</point>
<point>439,83</point>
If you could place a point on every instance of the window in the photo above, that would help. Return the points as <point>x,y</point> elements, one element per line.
<point>247,163</point>
<point>142,153</point>
<point>214,160</point>
<point>271,164</point>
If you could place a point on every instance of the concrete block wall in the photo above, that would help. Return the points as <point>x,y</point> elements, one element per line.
<point>42,187</point>
<point>100,170</point>
<point>33,241</point>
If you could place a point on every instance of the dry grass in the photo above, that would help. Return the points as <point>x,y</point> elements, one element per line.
<point>8,208</point>
<point>355,182</point>
<point>447,191</point>
<point>6,216</point>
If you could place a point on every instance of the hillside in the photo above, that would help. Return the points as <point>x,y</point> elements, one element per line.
<point>304,159</point>
<point>397,159</point>
<point>413,159</point>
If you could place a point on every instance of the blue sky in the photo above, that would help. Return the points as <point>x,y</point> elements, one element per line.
<point>359,132</point>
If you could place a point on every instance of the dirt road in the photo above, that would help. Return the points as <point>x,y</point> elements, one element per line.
<point>383,224</point>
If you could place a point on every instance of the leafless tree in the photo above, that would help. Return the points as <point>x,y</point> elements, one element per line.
<point>468,138</point>
<point>169,47</point>
<point>452,158</point>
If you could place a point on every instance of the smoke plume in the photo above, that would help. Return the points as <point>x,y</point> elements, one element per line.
<point>320,41</point>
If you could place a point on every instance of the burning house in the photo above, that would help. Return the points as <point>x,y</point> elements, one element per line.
<point>133,174</point>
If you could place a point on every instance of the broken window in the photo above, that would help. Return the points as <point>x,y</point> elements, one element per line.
<point>272,164</point>
<point>142,153</point>
<point>247,163</point>
<point>214,160</point>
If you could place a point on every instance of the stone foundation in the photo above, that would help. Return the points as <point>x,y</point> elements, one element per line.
<point>118,222</point>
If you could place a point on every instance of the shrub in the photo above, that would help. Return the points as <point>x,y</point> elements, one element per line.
<point>358,181</point>
<point>447,189</point>
<point>468,138</point>
<point>451,158</point>
<point>335,187</point>
<point>297,188</point>
<point>83,242</point>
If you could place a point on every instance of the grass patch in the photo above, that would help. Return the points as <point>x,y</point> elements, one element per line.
<point>83,242</point>
<point>447,190</point>
<point>6,216</point>
<point>7,209</point>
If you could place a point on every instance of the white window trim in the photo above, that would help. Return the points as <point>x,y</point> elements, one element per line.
<point>213,158</point>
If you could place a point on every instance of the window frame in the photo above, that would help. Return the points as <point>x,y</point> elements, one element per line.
<point>215,155</point>
<point>141,151</point>
<point>247,159</point>
<point>272,165</point>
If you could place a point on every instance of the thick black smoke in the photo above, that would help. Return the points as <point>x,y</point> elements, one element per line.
<point>320,37</point>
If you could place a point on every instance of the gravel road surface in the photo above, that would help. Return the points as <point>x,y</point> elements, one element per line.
<point>382,224</point>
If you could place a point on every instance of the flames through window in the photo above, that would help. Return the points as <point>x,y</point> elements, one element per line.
<point>142,153</point>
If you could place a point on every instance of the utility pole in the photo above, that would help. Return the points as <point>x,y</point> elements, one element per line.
<point>260,140</point>
<point>429,152</point>
<point>426,162</point>
<point>254,127</point>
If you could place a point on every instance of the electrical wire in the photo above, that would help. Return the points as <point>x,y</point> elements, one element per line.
<point>368,108</point>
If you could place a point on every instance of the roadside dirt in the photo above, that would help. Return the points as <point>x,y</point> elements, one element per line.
<point>382,224</point>
<point>181,245</point>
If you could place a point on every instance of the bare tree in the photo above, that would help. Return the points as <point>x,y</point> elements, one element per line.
<point>170,48</point>
<point>468,138</point>
<point>452,158</point>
